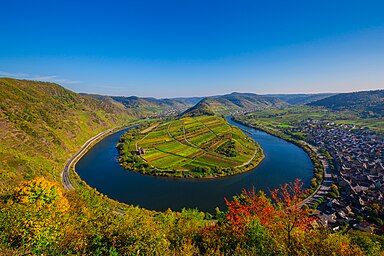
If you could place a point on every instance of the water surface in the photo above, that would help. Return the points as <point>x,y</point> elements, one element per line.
<point>283,162</point>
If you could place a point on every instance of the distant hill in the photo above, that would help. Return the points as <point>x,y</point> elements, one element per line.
<point>146,106</point>
<point>370,103</point>
<point>220,104</point>
<point>301,99</point>
<point>225,104</point>
<point>43,124</point>
<point>154,105</point>
<point>189,100</point>
<point>201,108</point>
<point>107,99</point>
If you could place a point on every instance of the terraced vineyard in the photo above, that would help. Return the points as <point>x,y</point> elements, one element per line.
<point>204,146</point>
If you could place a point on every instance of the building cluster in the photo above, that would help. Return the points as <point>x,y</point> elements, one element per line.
<point>165,113</point>
<point>358,155</point>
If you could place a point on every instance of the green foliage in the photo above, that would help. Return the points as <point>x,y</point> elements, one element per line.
<point>317,203</point>
<point>369,243</point>
<point>204,146</point>
<point>225,104</point>
<point>334,191</point>
<point>318,167</point>
<point>366,103</point>
<point>200,109</point>
<point>227,148</point>
<point>149,106</point>
<point>43,124</point>
<point>89,226</point>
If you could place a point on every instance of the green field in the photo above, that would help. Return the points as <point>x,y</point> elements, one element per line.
<point>289,117</point>
<point>204,146</point>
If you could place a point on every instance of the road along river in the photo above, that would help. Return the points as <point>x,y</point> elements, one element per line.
<point>283,162</point>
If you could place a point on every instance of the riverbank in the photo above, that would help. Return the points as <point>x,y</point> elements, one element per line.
<point>100,170</point>
<point>189,148</point>
<point>71,163</point>
<point>312,151</point>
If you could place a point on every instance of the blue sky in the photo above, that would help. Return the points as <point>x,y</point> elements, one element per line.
<point>195,48</point>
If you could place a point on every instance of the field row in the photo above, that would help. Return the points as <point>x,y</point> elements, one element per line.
<point>190,143</point>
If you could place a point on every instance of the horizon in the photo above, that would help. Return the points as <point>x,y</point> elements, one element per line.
<point>174,50</point>
<point>196,96</point>
<point>228,93</point>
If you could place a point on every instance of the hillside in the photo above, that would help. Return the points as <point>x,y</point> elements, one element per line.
<point>202,108</point>
<point>366,103</point>
<point>225,104</point>
<point>43,124</point>
<point>221,104</point>
<point>148,106</point>
<point>300,99</point>
<point>104,98</point>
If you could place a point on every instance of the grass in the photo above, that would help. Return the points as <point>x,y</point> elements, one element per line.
<point>280,121</point>
<point>43,124</point>
<point>187,147</point>
<point>288,117</point>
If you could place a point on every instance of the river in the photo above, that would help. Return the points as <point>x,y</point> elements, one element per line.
<point>283,162</point>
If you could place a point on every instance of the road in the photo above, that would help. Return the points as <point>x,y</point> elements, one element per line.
<point>326,182</point>
<point>68,185</point>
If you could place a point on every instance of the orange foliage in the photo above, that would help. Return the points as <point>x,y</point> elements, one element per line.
<point>280,219</point>
<point>289,211</point>
<point>285,212</point>
<point>249,205</point>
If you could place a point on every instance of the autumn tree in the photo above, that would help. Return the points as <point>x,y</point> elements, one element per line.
<point>290,214</point>
<point>255,222</point>
<point>41,192</point>
<point>35,217</point>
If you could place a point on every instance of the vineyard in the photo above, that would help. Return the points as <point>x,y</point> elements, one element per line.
<point>189,147</point>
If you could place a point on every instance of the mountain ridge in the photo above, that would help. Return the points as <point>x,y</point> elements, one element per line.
<point>367,103</point>
<point>301,98</point>
<point>234,102</point>
<point>42,124</point>
<point>143,106</point>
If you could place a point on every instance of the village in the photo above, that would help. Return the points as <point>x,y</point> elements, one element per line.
<point>357,156</point>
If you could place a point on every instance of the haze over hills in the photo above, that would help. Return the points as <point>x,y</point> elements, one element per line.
<point>145,106</point>
<point>42,124</point>
<point>224,104</point>
<point>301,99</point>
<point>369,103</point>
<point>155,105</point>
<point>219,104</point>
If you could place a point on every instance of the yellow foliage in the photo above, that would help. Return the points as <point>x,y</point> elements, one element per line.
<point>41,193</point>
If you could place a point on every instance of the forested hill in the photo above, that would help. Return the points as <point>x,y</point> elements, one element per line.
<point>368,103</point>
<point>225,104</point>
<point>301,99</point>
<point>146,106</point>
<point>43,124</point>
<point>221,104</point>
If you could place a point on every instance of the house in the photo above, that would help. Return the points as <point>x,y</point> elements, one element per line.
<point>141,151</point>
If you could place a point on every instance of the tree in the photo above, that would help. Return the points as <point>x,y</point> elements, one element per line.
<point>36,217</point>
<point>40,192</point>
<point>334,191</point>
<point>290,213</point>
<point>252,217</point>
